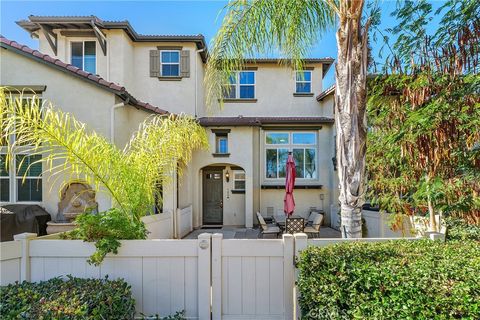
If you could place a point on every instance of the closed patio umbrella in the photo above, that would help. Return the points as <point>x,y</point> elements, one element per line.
<point>289,202</point>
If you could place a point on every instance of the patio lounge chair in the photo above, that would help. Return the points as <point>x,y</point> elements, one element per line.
<point>314,229</point>
<point>267,229</point>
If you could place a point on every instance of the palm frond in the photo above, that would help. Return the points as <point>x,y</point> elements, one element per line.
<point>70,151</point>
<point>250,28</point>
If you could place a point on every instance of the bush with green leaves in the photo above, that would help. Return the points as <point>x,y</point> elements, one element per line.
<point>74,298</point>
<point>403,279</point>
<point>105,228</point>
<point>460,229</point>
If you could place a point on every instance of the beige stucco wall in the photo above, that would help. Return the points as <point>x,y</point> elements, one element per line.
<point>274,88</point>
<point>89,103</point>
<point>127,63</point>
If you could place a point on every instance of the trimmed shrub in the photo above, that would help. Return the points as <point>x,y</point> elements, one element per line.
<point>459,229</point>
<point>74,298</point>
<point>400,279</point>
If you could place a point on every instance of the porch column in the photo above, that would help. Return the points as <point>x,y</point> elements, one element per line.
<point>248,200</point>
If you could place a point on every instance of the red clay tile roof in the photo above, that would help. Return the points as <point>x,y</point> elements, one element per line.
<point>326,93</point>
<point>94,79</point>
<point>259,121</point>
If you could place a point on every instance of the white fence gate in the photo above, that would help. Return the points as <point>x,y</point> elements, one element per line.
<point>209,278</point>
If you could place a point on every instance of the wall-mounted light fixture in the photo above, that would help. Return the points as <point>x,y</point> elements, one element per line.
<point>227,176</point>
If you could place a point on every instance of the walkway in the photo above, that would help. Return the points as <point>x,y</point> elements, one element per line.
<point>244,233</point>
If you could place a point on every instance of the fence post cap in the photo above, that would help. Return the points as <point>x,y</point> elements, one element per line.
<point>25,235</point>
<point>287,236</point>
<point>217,235</point>
<point>300,236</point>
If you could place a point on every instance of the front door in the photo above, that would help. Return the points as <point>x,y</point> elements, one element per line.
<point>212,196</point>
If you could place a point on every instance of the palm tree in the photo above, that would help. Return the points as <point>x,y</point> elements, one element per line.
<point>292,27</point>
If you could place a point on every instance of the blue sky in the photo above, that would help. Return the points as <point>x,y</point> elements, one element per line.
<point>154,17</point>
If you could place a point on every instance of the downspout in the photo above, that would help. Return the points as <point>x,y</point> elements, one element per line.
<point>196,79</point>
<point>112,118</point>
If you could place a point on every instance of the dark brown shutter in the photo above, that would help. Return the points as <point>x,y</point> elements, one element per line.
<point>185,64</point>
<point>154,63</point>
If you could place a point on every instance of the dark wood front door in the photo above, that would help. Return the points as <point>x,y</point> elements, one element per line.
<point>212,196</point>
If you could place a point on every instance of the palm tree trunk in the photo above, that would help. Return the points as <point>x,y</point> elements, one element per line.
<point>350,115</point>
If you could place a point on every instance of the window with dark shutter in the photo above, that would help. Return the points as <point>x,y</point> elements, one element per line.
<point>154,63</point>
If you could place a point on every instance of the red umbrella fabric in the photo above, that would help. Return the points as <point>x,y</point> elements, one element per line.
<point>289,202</point>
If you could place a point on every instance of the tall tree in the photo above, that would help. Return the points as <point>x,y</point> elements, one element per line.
<point>291,28</point>
<point>424,153</point>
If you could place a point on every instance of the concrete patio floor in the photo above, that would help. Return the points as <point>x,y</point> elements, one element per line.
<point>245,233</point>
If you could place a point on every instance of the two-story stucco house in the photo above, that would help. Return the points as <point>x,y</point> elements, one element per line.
<point>111,78</point>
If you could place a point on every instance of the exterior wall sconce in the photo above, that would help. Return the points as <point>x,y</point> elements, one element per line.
<point>227,176</point>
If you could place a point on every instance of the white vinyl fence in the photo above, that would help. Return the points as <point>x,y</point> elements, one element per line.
<point>159,226</point>
<point>10,260</point>
<point>184,221</point>
<point>209,278</point>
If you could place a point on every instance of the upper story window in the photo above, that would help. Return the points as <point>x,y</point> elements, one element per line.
<point>83,55</point>
<point>240,86</point>
<point>303,82</point>
<point>303,146</point>
<point>170,63</point>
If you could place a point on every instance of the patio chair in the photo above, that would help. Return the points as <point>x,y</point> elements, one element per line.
<point>314,229</point>
<point>294,225</point>
<point>267,229</point>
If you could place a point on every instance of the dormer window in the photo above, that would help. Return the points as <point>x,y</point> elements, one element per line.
<point>170,63</point>
<point>83,55</point>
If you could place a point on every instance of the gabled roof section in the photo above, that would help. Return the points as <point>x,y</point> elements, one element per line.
<point>79,73</point>
<point>35,24</point>
<point>326,93</point>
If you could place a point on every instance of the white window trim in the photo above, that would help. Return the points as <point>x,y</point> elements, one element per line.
<point>217,143</point>
<point>234,172</point>
<point>12,166</point>
<point>170,63</point>
<point>303,81</point>
<point>83,52</point>
<point>237,85</point>
<point>290,146</point>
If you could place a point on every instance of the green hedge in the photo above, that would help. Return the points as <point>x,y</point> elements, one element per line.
<point>391,280</point>
<point>74,298</point>
<point>459,229</point>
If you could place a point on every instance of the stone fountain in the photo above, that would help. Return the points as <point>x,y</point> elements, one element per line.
<point>75,199</point>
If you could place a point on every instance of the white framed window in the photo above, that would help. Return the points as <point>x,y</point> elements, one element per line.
<point>83,55</point>
<point>303,81</point>
<point>21,178</point>
<point>241,86</point>
<point>239,180</point>
<point>221,143</point>
<point>170,63</point>
<point>302,144</point>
